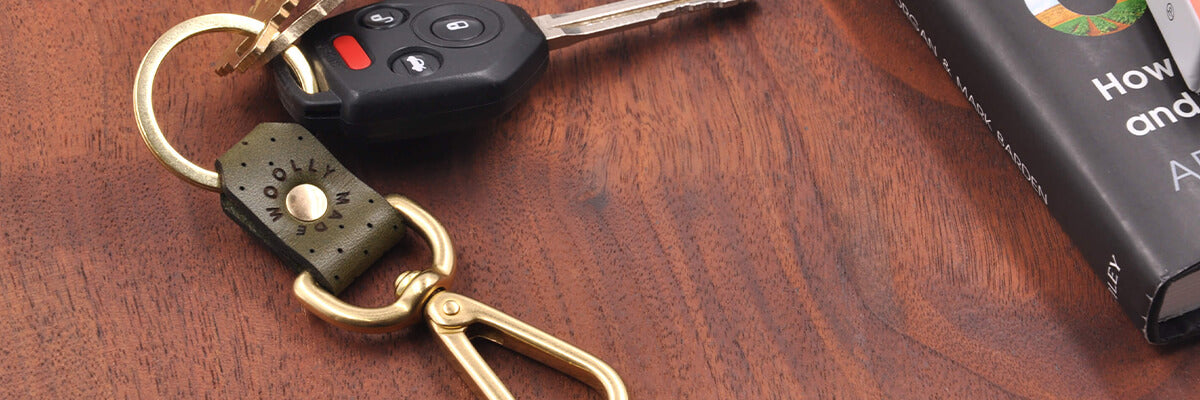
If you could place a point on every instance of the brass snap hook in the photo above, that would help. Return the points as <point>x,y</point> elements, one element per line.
<point>143,88</point>
<point>412,287</point>
<point>457,319</point>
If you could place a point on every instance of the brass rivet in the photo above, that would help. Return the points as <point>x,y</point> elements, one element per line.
<point>307,202</point>
<point>451,307</point>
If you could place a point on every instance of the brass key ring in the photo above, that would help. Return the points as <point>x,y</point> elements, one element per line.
<point>143,88</point>
<point>413,287</point>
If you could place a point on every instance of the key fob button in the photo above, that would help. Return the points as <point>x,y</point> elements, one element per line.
<point>458,28</point>
<point>382,18</point>
<point>416,63</point>
<point>456,25</point>
<point>352,53</point>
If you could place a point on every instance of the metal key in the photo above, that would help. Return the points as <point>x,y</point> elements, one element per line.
<point>408,68</point>
<point>272,13</point>
<point>250,52</point>
<point>565,29</point>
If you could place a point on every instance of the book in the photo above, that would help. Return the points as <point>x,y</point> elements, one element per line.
<point>1088,103</point>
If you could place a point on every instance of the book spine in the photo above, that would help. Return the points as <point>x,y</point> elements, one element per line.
<point>1027,136</point>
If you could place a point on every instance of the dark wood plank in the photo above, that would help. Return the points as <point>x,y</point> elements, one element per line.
<point>778,201</point>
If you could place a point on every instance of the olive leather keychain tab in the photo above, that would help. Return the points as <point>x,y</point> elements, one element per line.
<point>286,189</point>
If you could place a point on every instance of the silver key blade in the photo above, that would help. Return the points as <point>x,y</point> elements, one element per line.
<point>565,29</point>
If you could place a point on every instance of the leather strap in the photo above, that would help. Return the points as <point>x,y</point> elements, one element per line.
<point>357,225</point>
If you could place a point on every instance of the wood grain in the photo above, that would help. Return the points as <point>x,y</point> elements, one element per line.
<point>784,200</point>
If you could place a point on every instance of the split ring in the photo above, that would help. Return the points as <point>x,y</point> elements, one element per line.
<point>143,87</point>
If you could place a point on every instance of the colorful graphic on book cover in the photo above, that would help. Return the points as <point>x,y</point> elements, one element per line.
<point>1060,18</point>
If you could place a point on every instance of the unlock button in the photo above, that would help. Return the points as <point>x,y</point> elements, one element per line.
<point>382,17</point>
<point>457,28</point>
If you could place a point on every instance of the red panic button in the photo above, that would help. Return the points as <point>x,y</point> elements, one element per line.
<point>352,53</point>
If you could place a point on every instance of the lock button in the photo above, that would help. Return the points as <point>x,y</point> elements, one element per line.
<point>456,25</point>
<point>458,28</point>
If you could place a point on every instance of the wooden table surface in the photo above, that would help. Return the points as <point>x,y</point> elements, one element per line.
<point>783,200</point>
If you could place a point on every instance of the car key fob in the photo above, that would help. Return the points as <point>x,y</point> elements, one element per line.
<point>410,68</point>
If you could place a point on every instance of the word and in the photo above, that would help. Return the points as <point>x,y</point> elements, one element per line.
<point>1157,118</point>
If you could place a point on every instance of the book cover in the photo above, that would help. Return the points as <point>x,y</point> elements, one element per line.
<point>1088,103</point>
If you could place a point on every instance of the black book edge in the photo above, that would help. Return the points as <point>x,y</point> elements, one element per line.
<point>1177,328</point>
<point>1044,156</point>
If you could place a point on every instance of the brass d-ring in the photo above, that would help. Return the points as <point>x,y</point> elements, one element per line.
<point>413,288</point>
<point>143,87</point>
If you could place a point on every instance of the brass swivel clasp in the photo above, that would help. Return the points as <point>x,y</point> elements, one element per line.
<point>413,288</point>
<point>456,319</point>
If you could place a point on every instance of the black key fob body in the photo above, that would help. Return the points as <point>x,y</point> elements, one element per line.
<point>410,68</point>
